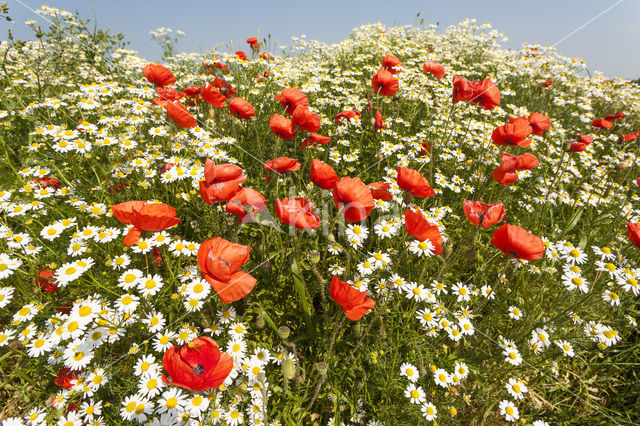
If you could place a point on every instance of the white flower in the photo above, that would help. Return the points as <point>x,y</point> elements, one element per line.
<point>509,410</point>
<point>410,372</point>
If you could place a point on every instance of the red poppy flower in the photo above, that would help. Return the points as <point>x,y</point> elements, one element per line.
<point>221,182</point>
<point>253,42</point>
<point>418,226</point>
<point>241,108</point>
<point>488,214</point>
<point>292,98</point>
<point>282,126</point>
<point>144,216</point>
<point>267,56</point>
<point>380,191</point>
<point>633,233</point>
<point>225,88</point>
<point>389,62</point>
<point>282,165</point>
<point>297,212</point>
<point>306,119</point>
<point>539,123</point>
<point>384,83</point>
<point>355,303</point>
<point>506,173</point>
<point>179,114</point>
<point>411,180</point>
<point>158,75</point>
<point>516,242</point>
<point>45,280</point>
<point>348,114</point>
<point>580,144</point>
<point>47,182</point>
<point>602,123</point>
<point>193,91</point>
<point>246,203</point>
<point>197,366</point>
<point>315,138</point>
<point>462,89</point>
<point>65,376</point>
<point>241,55</point>
<point>486,94</point>
<point>219,261</point>
<point>615,117</point>
<point>378,121</point>
<point>434,68</point>
<point>323,174</point>
<point>629,137</point>
<point>354,198</point>
<point>213,96</point>
<point>547,83</point>
<point>169,93</point>
<point>515,132</point>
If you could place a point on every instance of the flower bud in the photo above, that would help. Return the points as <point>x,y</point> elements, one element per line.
<point>284,332</point>
<point>322,368</point>
<point>314,257</point>
<point>260,323</point>
<point>357,329</point>
<point>288,369</point>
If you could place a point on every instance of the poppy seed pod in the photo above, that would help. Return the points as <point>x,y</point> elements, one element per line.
<point>284,332</point>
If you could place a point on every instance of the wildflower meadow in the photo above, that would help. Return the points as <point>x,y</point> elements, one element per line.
<point>411,226</point>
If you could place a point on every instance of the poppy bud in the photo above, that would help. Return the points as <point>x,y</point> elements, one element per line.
<point>284,332</point>
<point>314,257</point>
<point>357,329</point>
<point>260,323</point>
<point>288,369</point>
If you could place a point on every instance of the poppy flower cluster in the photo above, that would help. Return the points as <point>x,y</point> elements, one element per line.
<point>580,144</point>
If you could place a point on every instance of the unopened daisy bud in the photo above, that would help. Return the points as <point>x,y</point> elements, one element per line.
<point>322,368</point>
<point>433,368</point>
<point>288,369</point>
<point>314,257</point>
<point>284,332</point>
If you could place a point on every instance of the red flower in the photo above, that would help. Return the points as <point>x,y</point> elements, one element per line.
<point>633,233</point>
<point>213,95</point>
<point>378,122</point>
<point>486,94</point>
<point>169,93</point>
<point>291,98</point>
<point>158,75</point>
<point>380,191</point>
<point>241,55</point>
<point>506,173</point>
<point>297,212</point>
<point>315,138</point>
<point>219,261</point>
<point>418,226</point>
<point>253,42</point>
<point>45,280</point>
<point>197,366</point>
<point>241,108</point>
<point>192,91</point>
<point>144,216</point>
<point>354,198</point>
<point>462,89</point>
<point>179,114</point>
<point>547,83</point>
<point>355,303</point>
<point>617,117</point>
<point>580,144</point>
<point>411,180</point>
<point>516,242</point>
<point>282,165</point>
<point>539,123</point>
<point>478,212</point>
<point>47,182</point>
<point>66,376</point>
<point>306,119</point>
<point>348,114</point>
<point>246,203</point>
<point>601,122</point>
<point>434,68</point>
<point>515,132</point>
<point>629,137</point>
<point>384,83</point>
<point>221,182</point>
<point>282,126</point>
<point>389,62</point>
<point>323,174</point>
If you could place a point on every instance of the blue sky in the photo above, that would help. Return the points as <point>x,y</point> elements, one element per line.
<point>609,43</point>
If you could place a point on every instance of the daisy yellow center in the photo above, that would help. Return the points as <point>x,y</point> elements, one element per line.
<point>610,267</point>
<point>139,408</point>
<point>610,333</point>
<point>422,245</point>
<point>256,370</point>
<point>24,311</point>
<point>416,290</point>
<point>565,347</point>
<point>574,253</point>
<point>513,355</point>
<point>127,300</point>
<point>97,380</point>
<point>144,366</point>
<point>236,347</point>
<point>150,284</point>
<point>606,250</point>
<point>197,401</point>
<point>430,411</point>
<point>234,414</point>
<point>51,232</point>
<point>70,271</point>
<point>38,343</point>
<point>198,288</point>
<point>84,311</point>
<point>415,394</point>
<point>172,402</point>
<point>509,411</point>
<point>442,378</point>
<point>385,228</point>
<point>151,384</point>
<point>576,281</point>
<point>164,340</point>
<point>129,278</point>
<point>78,356</point>
<point>516,388</point>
